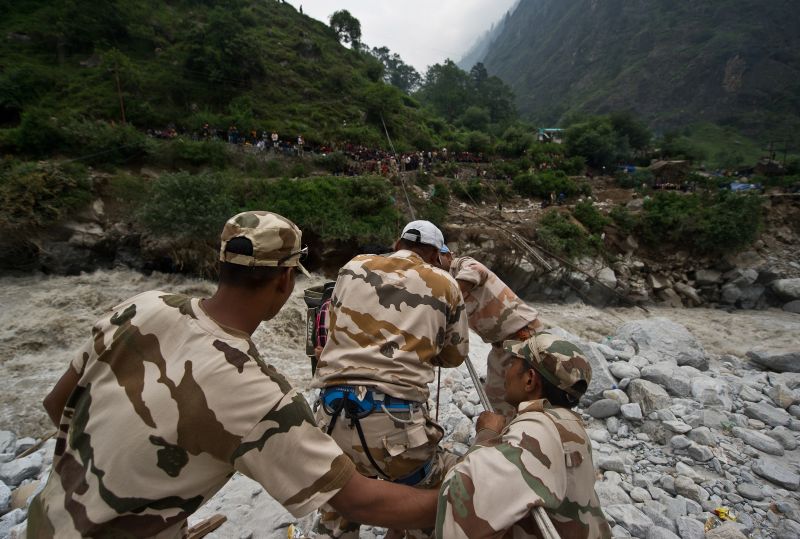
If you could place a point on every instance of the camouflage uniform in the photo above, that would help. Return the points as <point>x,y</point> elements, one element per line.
<point>392,319</point>
<point>495,313</point>
<point>542,458</point>
<point>169,404</point>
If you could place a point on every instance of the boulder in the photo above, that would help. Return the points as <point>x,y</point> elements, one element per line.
<point>664,374</point>
<point>15,472</point>
<point>730,294</point>
<point>630,518</point>
<point>785,437</point>
<point>782,395</point>
<point>631,412</point>
<point>660,339</point>
<point>601,375</point>
<point>776,361</point>
<point>611,494</point>
<point>712,392</point>
<point>690,528</point>
<point>787,288</point>
<point>768,414</point>
<point>689,293</point>
<point>670,298</point>
<point>752,297</point>
<point>760,441</point>
<point>5,498</point>
<point>621,369</point>
<point>728,530</point>
<point>605,408</point>
<point>8,441</point>
<point>792,307</point>
<point>607,277</point>
<point>648,395</point>
<point>777,473</point>
<point>706,277</point>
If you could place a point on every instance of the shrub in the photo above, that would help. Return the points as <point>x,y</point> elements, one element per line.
<point>469,191</point>
<point>590,217</point>
<point>543,183</point>
<point>707,223</point>
<point>558,234</point>
<point>182,152</point>
<point>34,195</point>
<point>273,168</point>
<point>435,210</point>
<point>298,170</point>
<point>335,163</point>
<point>623,218</point>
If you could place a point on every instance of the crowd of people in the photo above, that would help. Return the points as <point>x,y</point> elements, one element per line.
<point>170,396</point>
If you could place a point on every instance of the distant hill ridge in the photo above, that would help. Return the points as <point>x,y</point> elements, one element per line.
<point>732,62</point>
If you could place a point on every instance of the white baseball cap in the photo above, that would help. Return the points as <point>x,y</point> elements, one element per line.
<point>423,232</point>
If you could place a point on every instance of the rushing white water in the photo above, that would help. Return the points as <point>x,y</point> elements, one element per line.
<point>44,320</point>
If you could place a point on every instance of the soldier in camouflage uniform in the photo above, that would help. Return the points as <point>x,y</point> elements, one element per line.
<point>393,318</point>
<point>169,397</point>
<point>496,314</point>
<point>541,458</point>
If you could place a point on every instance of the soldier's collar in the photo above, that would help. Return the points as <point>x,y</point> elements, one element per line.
<point>534,406</point>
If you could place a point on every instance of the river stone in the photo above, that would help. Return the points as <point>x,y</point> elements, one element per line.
<point>750,394</point>
<point>616,394</point>
<point>8,441</point>
<point>630,518</point>
<point>611,494</point>
<point>614,463</point>
<point>792,307</point>
<point>781,395</point>
<point>9,520</point>
<point>770,415</point>
<point>787,288</point>
<point>638,494</point>
<point>649,396</point>
<point>621,370</point>
<point>657,532</point>
<point>15,472</point>
<point>690,528</point>
<point>750,491</point>
<point>655,512</point>
<point>603,408</point>
<point>776,361</point>
<point>704,277</point>
<point>686,488</point>
<point>777,473</point>
<point>631,411</point>
<point>601,376</point>
<point>703,436</point>
<point>728,530</point>
<point>785,437</point>
<point>712,392</point>
<point>677,426</point>
<point>789,379</point>
<point>788,529</point>
<point>760,441</point>
<point>5,498</point>
<point>730,294</point>
<point>700,453</point>
<point>658,339</point>
<point>679,442</point>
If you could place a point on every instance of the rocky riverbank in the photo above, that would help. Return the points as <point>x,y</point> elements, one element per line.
<point>689,410</point>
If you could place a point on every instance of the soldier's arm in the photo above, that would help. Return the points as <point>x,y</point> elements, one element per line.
<point>385,504</point>
<point>456,336</point>
<point>465,286</point>
<point>55,401</point>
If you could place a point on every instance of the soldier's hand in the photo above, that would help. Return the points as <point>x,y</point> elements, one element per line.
<point>491,421</point>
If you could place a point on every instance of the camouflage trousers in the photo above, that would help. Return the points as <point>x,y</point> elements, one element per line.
<point>497,363</point>
<point>400,443</point>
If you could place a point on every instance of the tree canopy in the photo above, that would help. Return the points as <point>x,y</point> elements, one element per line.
<point>347,27</point>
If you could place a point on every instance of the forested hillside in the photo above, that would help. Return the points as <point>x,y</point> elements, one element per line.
<point>730,62</point>
<point>260,65</point>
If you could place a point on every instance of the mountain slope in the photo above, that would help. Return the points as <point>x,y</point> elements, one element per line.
<point>735,62</point>
<point>257,63</point>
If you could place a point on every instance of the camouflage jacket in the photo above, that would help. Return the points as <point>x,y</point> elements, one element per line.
<point>542,458</point>
<point>170,404</point>
<point>495,312</point>
<point>392,319</point>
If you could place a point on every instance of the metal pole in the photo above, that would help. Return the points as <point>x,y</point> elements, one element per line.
<point>539,514</point>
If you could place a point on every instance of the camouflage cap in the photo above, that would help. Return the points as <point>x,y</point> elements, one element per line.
<point>275,239</point>
<point>559,361</point>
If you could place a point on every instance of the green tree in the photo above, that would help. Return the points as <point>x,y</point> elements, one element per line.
<point>476,118</point>
<point>632,128</point>
<point>347,28</point>
<point>595,140</point>
<point>395,71</point>
<point>492,94</point>
<point>447,89</point>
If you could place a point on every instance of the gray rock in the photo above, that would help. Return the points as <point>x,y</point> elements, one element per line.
<point>768,414</point>
<point>679,442</point>
<point>700,453</point>
<point>658,339</point>
<point>752,297</point>
<point>667,482</point>
<point>703,436</point>
<point>730,294</point>
<point>657,532</point>
<point>599,435</point>
<point>792,307</point>
<point>8,441</point>
<point>614,463</point>
<point>689,293</point>
<point>632,411</point>
<point>712,392</point>
<point>617,395</point>
<point>689,528</point>
<point>664,374</point>
<point>670,298</point>
<point>681,468</point>
<point>751,491</point>
<point>741,277</point>
<point>777,473</point>
<point>727,530</point>
<point>760,441</point>
<point>787,288</point>
<point>5,498</point>
<point>649,396</point>
<point>706,277</point>
<point>620,532</point>
<point>776,361</point>
<point>677,426</point>
<point>621,370</point>
<point>782,395</point>
<point>9,520</point>
<point>639,494</point>
<point>15,472</point>
<point>789,379</point>
<point>787,529</point>
<point>749,394</point>
<point>785,437</point>
<point>630,518</point>
<point>611,494</point>
<point>23,444</point>
<point>601,375</point>
<point>603,408</point>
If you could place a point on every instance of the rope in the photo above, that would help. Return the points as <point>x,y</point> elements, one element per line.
<point>402,179</point>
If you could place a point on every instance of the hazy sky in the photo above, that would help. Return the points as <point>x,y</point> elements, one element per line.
<point>423,32</point>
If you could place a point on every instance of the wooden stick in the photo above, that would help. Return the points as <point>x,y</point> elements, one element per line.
<point>207,526</point>
<point>35,447</point>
